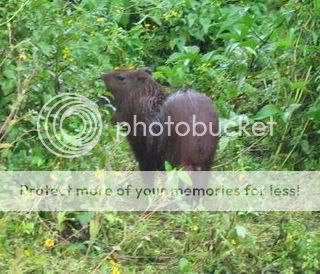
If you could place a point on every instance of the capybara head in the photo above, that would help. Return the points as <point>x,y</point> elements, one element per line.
<point>123,82</point>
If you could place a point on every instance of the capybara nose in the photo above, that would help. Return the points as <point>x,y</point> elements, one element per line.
<point>103,75</point>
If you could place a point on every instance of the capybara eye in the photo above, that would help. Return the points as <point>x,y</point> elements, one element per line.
<point>120,77</point>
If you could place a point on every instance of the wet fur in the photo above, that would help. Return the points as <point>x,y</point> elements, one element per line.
<point>140,95</point>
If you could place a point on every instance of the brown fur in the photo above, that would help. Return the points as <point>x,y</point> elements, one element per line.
<point>136,93</point>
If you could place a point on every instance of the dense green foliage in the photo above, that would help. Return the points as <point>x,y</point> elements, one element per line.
<point>255,59</point>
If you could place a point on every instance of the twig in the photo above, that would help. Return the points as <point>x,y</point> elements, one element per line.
<point>15,14</point>
<point>239,154</point>
<point>294,147</point>
<point>111,252</point>
<point>9,122</point>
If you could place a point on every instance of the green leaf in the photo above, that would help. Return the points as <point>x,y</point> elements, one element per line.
<point>205,23</point>
<point>192,50</point>
<point>168,166</point>
<point>289,110</point>
<point>28,228</point>
<point>85,217</point>
<point>38,160</point>
<point>267,111</point>
<point>252,51</point>
<point>305,146</point>
<point>298,85</point>
<point>184,265</point>
<point>208,56</point>
<point>241,231</point>
<point>178,41</point>
<point>317,7</point>
<point>156,19</point>
<point>223,143</point>
<point>191,19</point>
<point>177,56</point>
<point>314,112</point>
<point>286,42</point>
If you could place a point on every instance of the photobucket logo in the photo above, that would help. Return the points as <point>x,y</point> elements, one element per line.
<point>230,128</point>
<point>69,125</point>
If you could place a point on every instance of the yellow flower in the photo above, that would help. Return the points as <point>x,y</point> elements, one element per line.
<point>195,228</point>
<point>49,243</point>
<point>27,252</point>
<point>174,13</point>
<point>169,14</point>
<point>22,56</point>
<point>114,267</point>
<point>66,53</point>
<point>100,19</point>
<point>292,236</point>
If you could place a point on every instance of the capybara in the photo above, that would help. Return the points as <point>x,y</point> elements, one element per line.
<point>159,122</point>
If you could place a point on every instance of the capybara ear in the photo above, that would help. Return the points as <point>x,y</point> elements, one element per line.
<point>148,70</point>
<point>141,74</point>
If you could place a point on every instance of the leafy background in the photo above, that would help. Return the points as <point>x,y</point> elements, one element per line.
<point>255,59</point>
